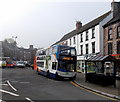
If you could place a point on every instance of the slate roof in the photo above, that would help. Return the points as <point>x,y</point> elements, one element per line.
<point>55,43</point>
<point>84,27</point>
<point>113,20</point>
<point>93,22</point>
<point>70,34</point>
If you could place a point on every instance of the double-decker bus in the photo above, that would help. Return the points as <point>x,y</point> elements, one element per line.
<point>57,62</point>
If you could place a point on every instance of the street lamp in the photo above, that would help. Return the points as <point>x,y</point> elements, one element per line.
<point>15,37</point>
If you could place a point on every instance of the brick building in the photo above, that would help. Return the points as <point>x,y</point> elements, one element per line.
<point>11,50</point>
<point>112,34</point>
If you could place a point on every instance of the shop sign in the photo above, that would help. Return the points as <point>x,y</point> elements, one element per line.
<point>117,56</point>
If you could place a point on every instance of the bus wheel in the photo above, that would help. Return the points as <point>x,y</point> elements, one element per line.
<point>37,71</point>
<point>56,76</point>
<point>48,75</point>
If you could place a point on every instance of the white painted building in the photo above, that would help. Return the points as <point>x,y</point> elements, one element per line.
<point>87,39</point>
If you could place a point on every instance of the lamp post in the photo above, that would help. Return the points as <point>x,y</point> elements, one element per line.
<point>15,37</point>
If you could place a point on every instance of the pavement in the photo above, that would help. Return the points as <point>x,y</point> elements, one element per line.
<point>109,91</point>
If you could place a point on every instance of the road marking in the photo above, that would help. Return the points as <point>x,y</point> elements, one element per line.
<point>9,92</point>
<point>92,91</point>
<point>4,84</point>
<point>11,86</point>
<point>14,81</point>
<point>0,100</point>
<point>29,99</point>
<point>24,82</point>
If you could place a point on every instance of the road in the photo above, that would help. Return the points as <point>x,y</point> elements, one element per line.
<point>26,84</point>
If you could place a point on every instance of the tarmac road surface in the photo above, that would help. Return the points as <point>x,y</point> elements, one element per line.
<point>26,84</point>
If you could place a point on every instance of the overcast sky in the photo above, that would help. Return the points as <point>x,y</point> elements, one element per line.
<point>43,22</point>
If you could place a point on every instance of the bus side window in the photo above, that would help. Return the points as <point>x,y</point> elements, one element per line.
<point>54,65</point>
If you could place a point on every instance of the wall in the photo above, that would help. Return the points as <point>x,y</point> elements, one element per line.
<point>101,31</point>
<point>114,41</point>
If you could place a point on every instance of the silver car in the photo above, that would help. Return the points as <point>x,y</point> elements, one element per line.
<point>20,64</point>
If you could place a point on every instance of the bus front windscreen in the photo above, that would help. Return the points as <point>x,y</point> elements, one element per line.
<point>66,66</point>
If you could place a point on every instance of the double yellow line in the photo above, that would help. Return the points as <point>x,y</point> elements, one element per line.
<point>73,83</point>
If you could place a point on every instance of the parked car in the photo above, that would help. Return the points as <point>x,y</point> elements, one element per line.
<point>10,64</point>
<point>2,64</point>
<point>27,64</point>
<point>20,64</point>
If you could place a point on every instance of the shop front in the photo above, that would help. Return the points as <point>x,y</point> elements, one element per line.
<point>101,70</point>
<point>117,56</point>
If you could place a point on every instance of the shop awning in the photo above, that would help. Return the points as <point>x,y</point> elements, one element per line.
<point>100,58</point>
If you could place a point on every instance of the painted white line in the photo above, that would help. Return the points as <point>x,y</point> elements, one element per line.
<point>9,92</point>
<point>14,81</point>
<point>29,99</point>
<point>4,84</point>
<point>24,82</point>
<point>0,100</point>
<point>11,86</point>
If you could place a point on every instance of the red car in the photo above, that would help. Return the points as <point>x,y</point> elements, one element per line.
<point>11,64</point>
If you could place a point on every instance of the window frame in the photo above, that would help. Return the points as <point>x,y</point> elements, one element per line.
<point>87,48</point>
<point>110,48</point>
<point>74,40</point>
<point>110,37</point>
<point>86,36</point>
<point>81,37</point>
<point>93,49</point>
<point>118,32</point>
<point>93,33</point>
<point>70,42</point>
<point>118,47</point>
<point>81,49</point>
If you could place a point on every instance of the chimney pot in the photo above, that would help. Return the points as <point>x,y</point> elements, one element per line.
<point>78,25</point>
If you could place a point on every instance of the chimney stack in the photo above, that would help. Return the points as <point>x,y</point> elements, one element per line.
<point>78,25</point>
<point>115,8</point>
<point>30,46</point>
